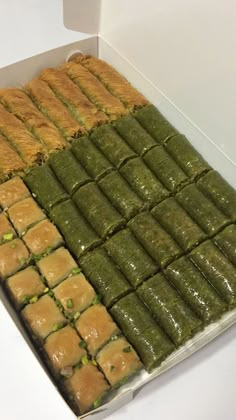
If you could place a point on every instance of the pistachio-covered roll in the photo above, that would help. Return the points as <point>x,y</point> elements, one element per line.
<point>68,170</point>
<point>90,157</point>
<point>195,290</point>
<point>105,277</point>
<point>57,266</point>
<point>45,187</point>
<point>215,187</point>
<point>13,257</point>
<point>157,242</point>
<point>187,157</point>
<point>42,238</point>
<point>226,241</point>
<point>131,257</point>
<point>218,269</point>
<point>167,307</point>
<point>87,387</point>
<point>79,236</point>
<point>24,214</point>
<point>150,342</point>
<point>165,168</point>
<point>135,135</point>
<point>43,317</point>
<point>13,191</point>
<point>118,361</point>
<point>155,123</point>
<point>98,211</point>
<point>178,223</point>
<point>96,327</point>
<point>201,209</point>
<point>7,233</point>
<point>143,182</point>
<point>121,195</point>
<point>112,145</point>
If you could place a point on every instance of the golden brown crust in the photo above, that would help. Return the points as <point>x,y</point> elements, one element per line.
<point>52,106</point>
<point>29,148</point>
<point>10,160</point>
<point>21,106</point>
<point>113,81</point>
<point>73,97</point>
<point>94,89</point>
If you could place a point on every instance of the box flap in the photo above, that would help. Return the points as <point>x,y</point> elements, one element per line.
<point>82,16</point>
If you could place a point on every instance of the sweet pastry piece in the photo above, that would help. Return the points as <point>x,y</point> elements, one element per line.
<point>94,90</point>
<point>112,145</point>
<point>64,349</point>
<point>96,327</point>
<point>10,162</point>
<point>165,168</point>
<point>123,198</point>
<point>155,124</point>
<point>135,135</point>
<point>98,211</point>
<point>12,191</point>
<point>75,294</point>
<point>157,242</point>
<point>24,109</point>
<point>130,257</point>
<point>173,315</point>
<point>68,171</point>
<point>136,322</point>
<point>57,266</point>
<point>217,189</point>
<point>195,290</point>
<point>201,209</point>
<point>93,161</point>
<point>73,98</point>
<point>178,223</point>
<point>28,147</point>
<point>42,238</point>
<point>45,187</point>
<point>87,387</point>
<point>79,236</point>
<point>24,214</point>
<point>143,182</point>
<point>7,233</point>
<point>25,286</point>
<point>13,257</point>
<point>219,271</point>
<point>118,361</point>
<point>226,241</point>
<point>105,277</point>
<point>52,108</point>
<point>43,317</point>
<point>187,157</point>
<point>113,81</point>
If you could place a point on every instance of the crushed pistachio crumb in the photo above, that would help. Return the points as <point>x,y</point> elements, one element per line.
<point>97,403</point>
<point>85,360</point>
<point>112,368</point>
<point>13,245</point>
<point>82,344</point>
<point>57,326</point>
<point>34,299</point>
<point>8,236</point>
<point>127,349</point>
<point>46,290</point>
<point>94,362</point>
<point>75,271</point>
<point>69,303</point>
<point>76,316</point>
<point>97,299</point>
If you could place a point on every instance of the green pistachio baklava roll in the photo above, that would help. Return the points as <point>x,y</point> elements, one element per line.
<point>155,123</point>
<point>178,223</point>
<point>131,257</point>
<point>226,241</point>
<point>187,157</point>
<point>112,145</point>
<point>98,211</point>
<point>167,307</point>
<point>157,242</point>
<point>45,187</point>
<point>143,182</point>
<point>68,170</point>
<point>218,269</point>
<point>135,135</point>
<point>104,275</point>
<point>165,168</point>
<point>90,157</point>
<point>202,210</point>
<point>217,189</point>
<point>120,194</point>
<point>195,290</point>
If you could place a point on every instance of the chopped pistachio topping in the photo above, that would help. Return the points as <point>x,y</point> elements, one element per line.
<point>75,271</point>
<point>97,299</point>
<point>51,294</point>
<point>46,290</point>
<point>94,362</point>
<point>82,344</point>
<point>98,402</point>
<point>57,326</point>
<point>76,315</point>
<point>25,300</point>
<point>127,349</point>
<point>34,299</point>
<point>112,368</point>
<point>69,303</point>
<point>85,360</point>
<point>8,236</point>
<point>13,245</point>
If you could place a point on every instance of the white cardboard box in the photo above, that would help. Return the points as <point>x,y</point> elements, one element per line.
<point>176,55</point>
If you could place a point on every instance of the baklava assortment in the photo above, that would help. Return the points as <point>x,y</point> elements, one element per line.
<point>119,246</point>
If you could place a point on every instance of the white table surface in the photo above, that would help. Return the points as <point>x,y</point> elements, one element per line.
<point>201,388</point>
